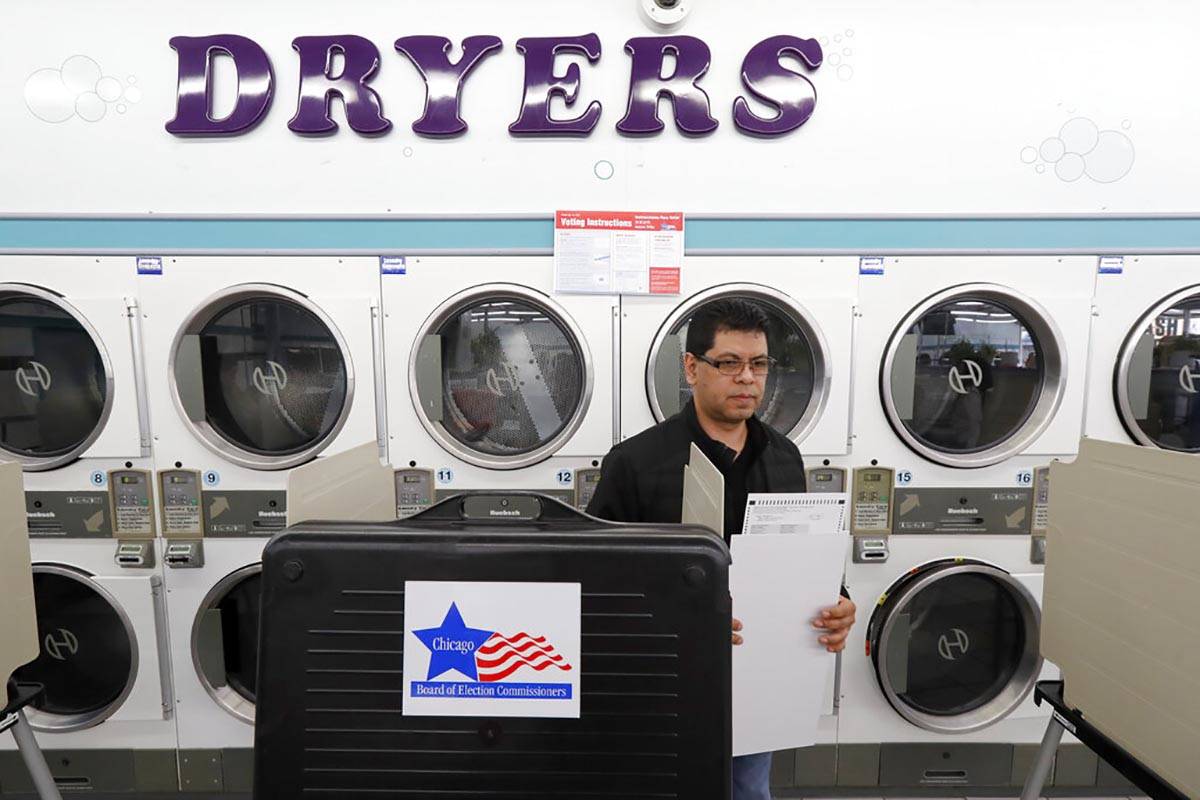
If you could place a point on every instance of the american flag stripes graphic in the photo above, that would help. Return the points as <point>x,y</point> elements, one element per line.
<point>501,656</point>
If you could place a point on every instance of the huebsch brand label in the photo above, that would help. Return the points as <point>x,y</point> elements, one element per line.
<point>243,513</point>
<point>963,510</point>
<point>75,515</point>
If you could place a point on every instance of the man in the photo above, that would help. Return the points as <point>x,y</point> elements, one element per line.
<point>726,364</point>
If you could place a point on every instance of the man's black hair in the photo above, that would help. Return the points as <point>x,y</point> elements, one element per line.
<point>727,313</point>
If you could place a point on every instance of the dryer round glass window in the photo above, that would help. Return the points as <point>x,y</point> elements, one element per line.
<point>225,641</point>
<point>1158,376</point>
<point>971,377</point>
<point>797,384</point>
<point>88,655</point>
<point>955,645</point>
<point>501,376</point>
<point>262,376</point>
<point>55,379</point>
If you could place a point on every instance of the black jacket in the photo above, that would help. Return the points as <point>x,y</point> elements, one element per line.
<point>641,479</point>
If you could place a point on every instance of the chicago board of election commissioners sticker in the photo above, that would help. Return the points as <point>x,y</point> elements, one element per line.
<point>491,649</point>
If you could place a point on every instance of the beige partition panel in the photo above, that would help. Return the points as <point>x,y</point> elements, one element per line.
<point>1121,613</point>
<point>18,615</point>
<point>350,486</point>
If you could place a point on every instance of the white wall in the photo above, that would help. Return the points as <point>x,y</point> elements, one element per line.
<point>931,111</point>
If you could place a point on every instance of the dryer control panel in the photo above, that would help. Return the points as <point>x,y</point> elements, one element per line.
<point>1041,499</point>
<point>179,490</point>
<point>871,501</point>
<point>414,491</point>
<point>131,501</point>
<point>586,481</point>
<point>826,480</point>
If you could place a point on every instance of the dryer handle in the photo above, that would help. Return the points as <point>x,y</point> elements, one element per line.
<point>161,632</point>
<point>380,376</point>
<point>500,508</point>
<point>134,314</point>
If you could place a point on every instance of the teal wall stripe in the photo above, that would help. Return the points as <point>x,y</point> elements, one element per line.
<point>1100,235</point>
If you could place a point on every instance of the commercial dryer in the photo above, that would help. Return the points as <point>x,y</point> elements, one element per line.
<point>970,380</point>
<point>1144,379</point>
<point>256,365</point>
<point>495,381</point>
<point>73,413</point>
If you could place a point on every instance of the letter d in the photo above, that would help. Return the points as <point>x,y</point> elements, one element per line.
<point>193,108</point>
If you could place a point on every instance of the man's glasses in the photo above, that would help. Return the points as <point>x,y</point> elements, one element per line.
<point>734,366</point>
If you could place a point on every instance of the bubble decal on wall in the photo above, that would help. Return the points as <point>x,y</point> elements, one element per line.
<point>839,58</point>
<point>1052,149</point>
<point>1081,149</point>
<point>1111,159</point>
<point>77,88</point>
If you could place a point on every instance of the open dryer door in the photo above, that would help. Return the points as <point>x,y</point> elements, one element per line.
<point>1156,383</point>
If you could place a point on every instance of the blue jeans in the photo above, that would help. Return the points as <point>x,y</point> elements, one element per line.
<point>752,777</point>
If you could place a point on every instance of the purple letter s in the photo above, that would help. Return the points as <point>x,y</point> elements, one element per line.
<point>765,77</point>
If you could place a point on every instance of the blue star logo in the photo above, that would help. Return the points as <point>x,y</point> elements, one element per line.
<point>452,645</point>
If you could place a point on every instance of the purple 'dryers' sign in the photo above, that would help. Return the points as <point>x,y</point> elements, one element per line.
<point>765,74</point>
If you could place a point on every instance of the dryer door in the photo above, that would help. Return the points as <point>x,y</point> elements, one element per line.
<point>99,655</point>
<point>1157,380</point>
<point>501,376</point>
<point>955,645</point>
<point>797,386</point>
<point>56,381</point>
<point>262,376</point>
<point>973,375</point>
<point>225,641</point>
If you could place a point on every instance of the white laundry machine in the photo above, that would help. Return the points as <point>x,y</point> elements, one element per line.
<point>937,675</point>
<point>71,402</point>
<point>256,365</point>
<point>1145,367</point>
<point>971,379</point>
<point>101,661</point>
<point>73,413</point>
<point>971,369</point>
<point>494,380</point>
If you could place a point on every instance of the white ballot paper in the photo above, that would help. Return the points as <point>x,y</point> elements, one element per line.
<point>795,513</point>
<point>779,582</point>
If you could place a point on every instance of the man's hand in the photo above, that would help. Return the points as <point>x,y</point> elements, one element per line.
<point>737,626</point>
<point>835,623</point>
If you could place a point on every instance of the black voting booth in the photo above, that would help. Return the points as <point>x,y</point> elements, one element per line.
<point>655,671</point>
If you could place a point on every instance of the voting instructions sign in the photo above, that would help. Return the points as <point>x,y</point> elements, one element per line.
<point>491,649</point>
